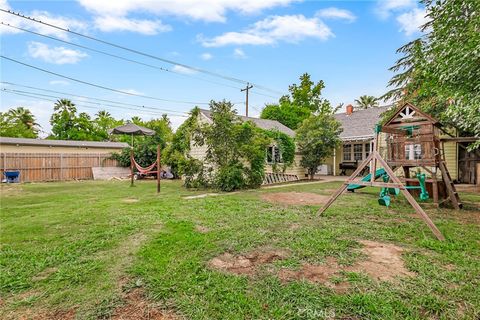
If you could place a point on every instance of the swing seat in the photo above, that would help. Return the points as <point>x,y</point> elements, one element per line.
<point>424,196</point>
<point>384,201</point>
<point>394,191</point>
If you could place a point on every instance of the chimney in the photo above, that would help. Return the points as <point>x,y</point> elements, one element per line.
<point>349,109</point>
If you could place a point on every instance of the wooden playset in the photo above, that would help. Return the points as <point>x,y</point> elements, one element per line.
<point>412,141</point>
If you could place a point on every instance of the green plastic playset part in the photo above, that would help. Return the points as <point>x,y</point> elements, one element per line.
<point>385,199</point>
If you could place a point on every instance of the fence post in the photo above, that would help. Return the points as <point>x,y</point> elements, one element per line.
<point>61,166</point>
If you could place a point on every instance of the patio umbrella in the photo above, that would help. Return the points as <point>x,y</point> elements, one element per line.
<point>133,130</point>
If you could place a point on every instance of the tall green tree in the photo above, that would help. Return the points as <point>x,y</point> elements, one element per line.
<point>103,122</point>
<point>365,102</point>
<point>317,138</point>
<point>235,156</point>
<point>19,123</point>
<point>440,72</point>
<point>304,99</point>
<point>68,125</point>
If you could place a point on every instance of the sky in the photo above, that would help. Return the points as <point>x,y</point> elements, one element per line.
<point>348,44</point>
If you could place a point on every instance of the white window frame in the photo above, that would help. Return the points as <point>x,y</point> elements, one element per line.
<point>349,152</point>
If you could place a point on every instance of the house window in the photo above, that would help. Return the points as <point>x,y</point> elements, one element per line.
<point>357,152</point>
<point>274,155</point>
<point>413,151</point>
<point>347,152</point>
<point>367,149</point>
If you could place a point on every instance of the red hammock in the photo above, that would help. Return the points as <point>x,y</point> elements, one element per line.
<point>143,170</point>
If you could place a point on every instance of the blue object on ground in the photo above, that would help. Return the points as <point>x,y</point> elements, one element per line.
<point>12,176</point>
<point>380,172</point>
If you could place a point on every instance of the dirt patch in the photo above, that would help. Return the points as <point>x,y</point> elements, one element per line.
<point>294,226</point>
<point>130,200</point>
<point>321,273</point>
<point>202,229</point>
<point>247,263</point>
<point>295,198</point>
<point>138,307</point>
<point>44,274</point>
<point>384,261</point>
<point>44,315</point>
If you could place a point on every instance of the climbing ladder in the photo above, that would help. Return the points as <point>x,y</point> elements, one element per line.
<point>452,191</point>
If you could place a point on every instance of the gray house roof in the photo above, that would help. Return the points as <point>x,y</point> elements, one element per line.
<point>62,143</point>
<point>261,123</point>
<point>360,124</point>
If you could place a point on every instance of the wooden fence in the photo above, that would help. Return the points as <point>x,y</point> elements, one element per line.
<point>54,166</point>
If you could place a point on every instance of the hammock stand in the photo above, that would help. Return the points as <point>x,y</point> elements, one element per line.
<point>146,170</point>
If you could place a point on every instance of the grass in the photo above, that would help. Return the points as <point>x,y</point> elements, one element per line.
<point>74,246</point>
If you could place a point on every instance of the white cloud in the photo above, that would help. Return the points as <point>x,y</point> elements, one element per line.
<point>273,29</point>
<point>239,54</point>
<point>410,22</point>
<point>206,56</point>
<point>44,16</point>
<point>183,70</point>
<point>336,13</point>
<point>386,7</point>
<point>114,23</point>
<point>56,55</point>
<point>206,10</point>
<point>59,83</point>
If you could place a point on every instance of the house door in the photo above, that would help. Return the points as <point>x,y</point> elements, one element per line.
<point>467,164</point>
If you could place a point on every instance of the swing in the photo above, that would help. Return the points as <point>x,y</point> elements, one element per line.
<point>146,170</point>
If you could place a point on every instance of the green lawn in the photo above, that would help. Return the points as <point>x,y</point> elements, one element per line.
<point>80,247</point>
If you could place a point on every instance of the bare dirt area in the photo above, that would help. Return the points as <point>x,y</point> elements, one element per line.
<point>295,198</point>
<point>321,273</point>
<point>246,264</point>
<point>136,306</point>
<point>130,200</point>
<point>202,229</point>
<point>44,315</point>
<point>383,262</point>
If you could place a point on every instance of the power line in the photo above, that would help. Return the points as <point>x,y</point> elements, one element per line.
<point>36,96</point>
<point>90,102</point>
<point>117,56</point>
<point>100,86</point>
<point>211,73</point>
<point>89,97</point>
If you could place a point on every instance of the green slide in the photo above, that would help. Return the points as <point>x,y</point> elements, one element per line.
<point>378,174</point>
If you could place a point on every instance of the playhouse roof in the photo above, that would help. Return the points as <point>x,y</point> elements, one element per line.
<point>407,112</point>
<point>359,125</point>
<point>261,123</point>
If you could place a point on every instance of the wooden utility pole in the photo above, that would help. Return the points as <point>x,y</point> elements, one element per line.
<point>248,87</point>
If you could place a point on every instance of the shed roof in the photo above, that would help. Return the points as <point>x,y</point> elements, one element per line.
<point>361,123</point>
<point>62,143</point>
<point>265,124</point>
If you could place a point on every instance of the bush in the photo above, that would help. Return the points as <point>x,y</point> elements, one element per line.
<point>230,177</point>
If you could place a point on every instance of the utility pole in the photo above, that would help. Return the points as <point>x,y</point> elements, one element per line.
<point>248,87</point>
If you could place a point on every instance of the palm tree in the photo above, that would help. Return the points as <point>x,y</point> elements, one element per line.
<point>65,105</point>
<point>137,120</point>
<point>103,114</point>
<point>365,102</point>
<point>24,116</point>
